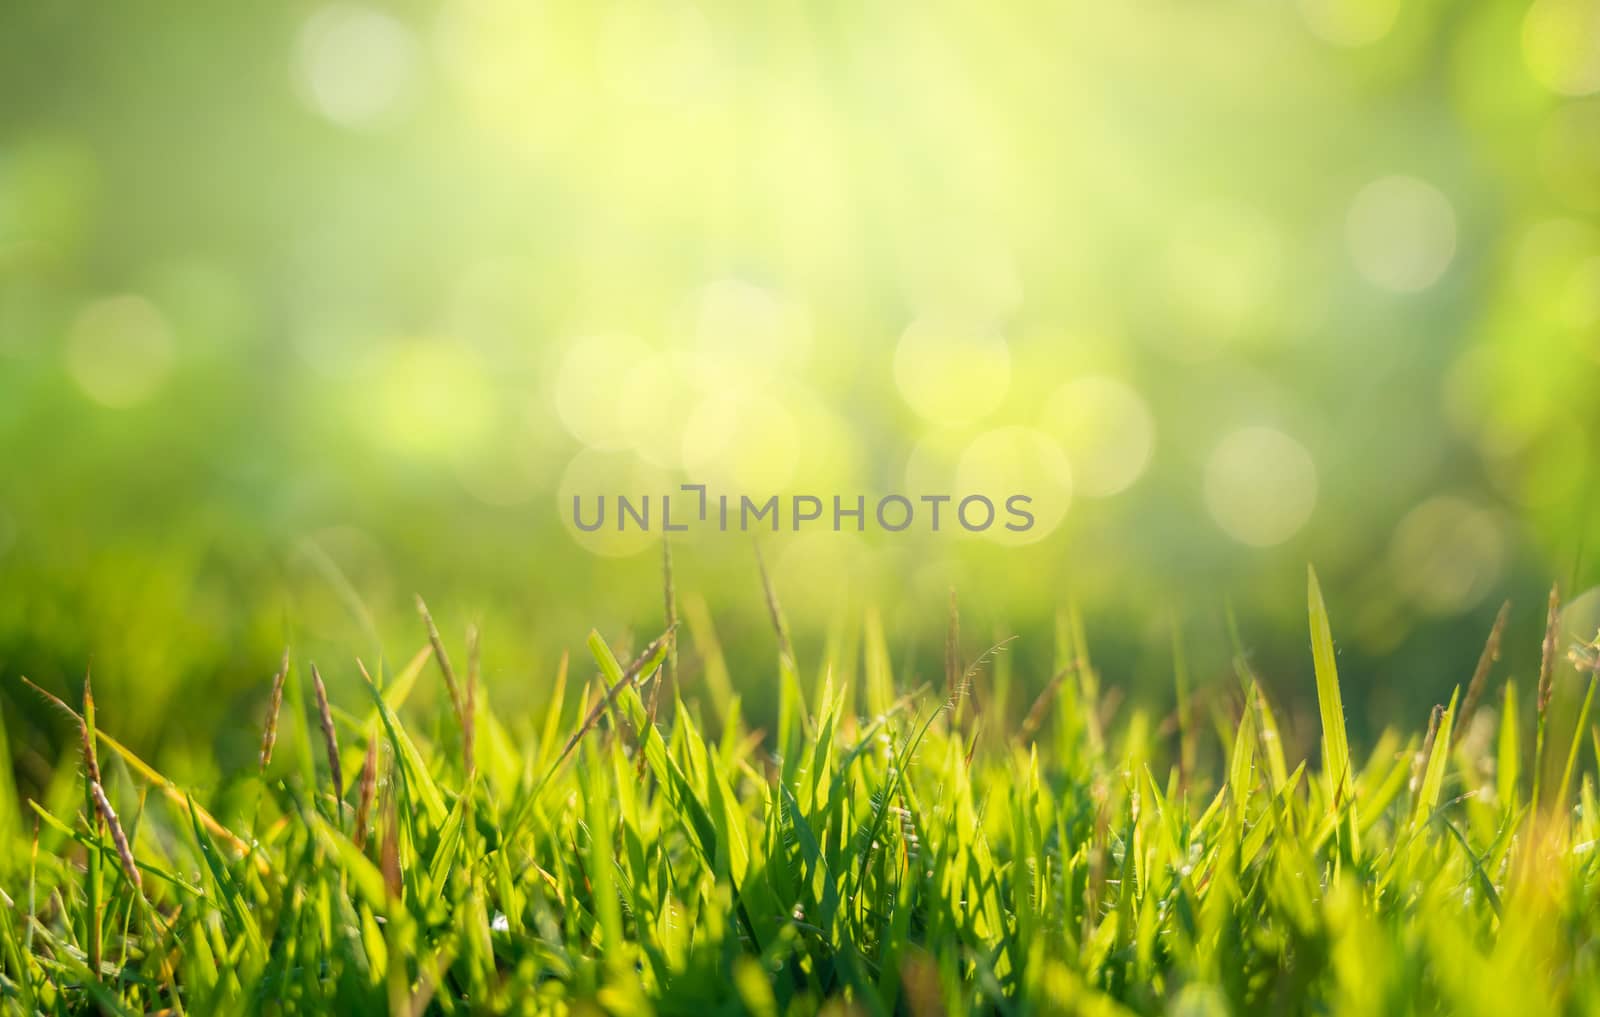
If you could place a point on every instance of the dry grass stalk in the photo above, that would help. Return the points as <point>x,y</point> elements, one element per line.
<point>1036,713</point>
<point>91,759</point>
<point>97,792</point>
<point>389,853</point>
<point>330,737</point>
<point>108,815</point>
<point>368,788</point>
<point>1547,660</point>
<point>781,627</point>
<point>1480,676</point>
<point>269,734</point>
<point>629,677</point>
<point>669,667</point>
<point>1419,762</point>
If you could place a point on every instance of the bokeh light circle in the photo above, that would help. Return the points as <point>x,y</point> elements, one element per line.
<point>433,399</point>
<point>949,370</point>
<point>1561,44</point>
<point>657,398</point>
<point>1580,619</point>
<point>1548,259</point>
<point>1260,486</point>
<point>1447,554</point>
<point>1401,233</point>
<point>120,350</point>
<point>1000,464</point>
<point>1350,22</point>
<point>1106,430</point>
<point>594,474</point>
<point>744,331</point>
<point>354,64</point>
<point>741,443</point>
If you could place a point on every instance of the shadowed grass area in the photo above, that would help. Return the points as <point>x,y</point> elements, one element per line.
<point>880,849</point>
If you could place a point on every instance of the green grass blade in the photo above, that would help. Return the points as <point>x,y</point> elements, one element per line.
<point>1336,745</point>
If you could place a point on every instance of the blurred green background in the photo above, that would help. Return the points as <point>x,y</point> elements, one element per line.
<point>305,308</point>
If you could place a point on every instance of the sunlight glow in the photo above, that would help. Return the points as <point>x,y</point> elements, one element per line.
<point>1260,486</point>
<point>589,391</point>
<point>952,371</point>
<point>742,442</point>
<point>433,398</point>
<point>1561,43</point>
<point>120,350</point>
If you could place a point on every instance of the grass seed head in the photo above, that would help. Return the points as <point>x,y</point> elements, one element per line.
<point>1419,762</point>
<point>774,609</point>
<point>108,815</point>
<point>389,853</point>
<point>91,759</point>
<point>330,737</point>
<point>1547,659</point>
<point>369,787</point>
<point>669,594</point>
<point>1480,676</point>
<point>269,733</point>
<point>629,678</point>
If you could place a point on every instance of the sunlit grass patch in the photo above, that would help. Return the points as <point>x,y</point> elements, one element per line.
<point>640,847</point>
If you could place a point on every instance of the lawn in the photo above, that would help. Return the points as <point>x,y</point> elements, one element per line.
<point>1038,345</point>
<point>881,849</point>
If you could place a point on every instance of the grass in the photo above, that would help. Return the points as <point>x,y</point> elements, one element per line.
<point>880,850</point>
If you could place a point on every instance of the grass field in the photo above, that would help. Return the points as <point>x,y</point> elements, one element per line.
<point>880,850</point>
<point>307,307</point>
